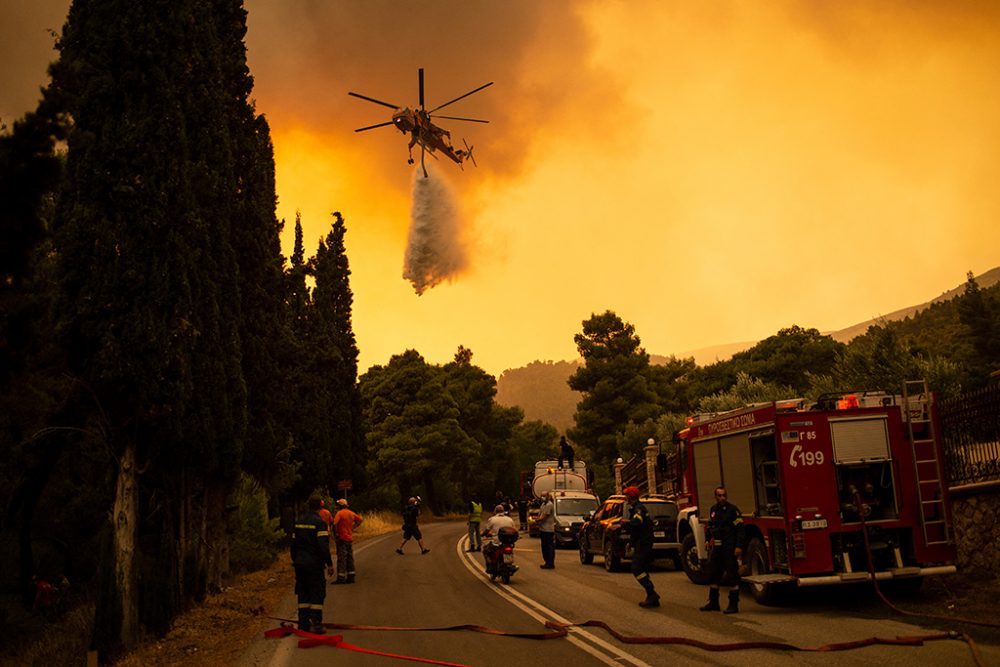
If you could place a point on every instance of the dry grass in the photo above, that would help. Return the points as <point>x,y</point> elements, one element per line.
<point>219,631</point>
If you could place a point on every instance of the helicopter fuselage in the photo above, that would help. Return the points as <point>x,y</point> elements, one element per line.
<point>422,131</point>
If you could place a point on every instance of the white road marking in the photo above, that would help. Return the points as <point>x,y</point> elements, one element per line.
<point>541,613</point>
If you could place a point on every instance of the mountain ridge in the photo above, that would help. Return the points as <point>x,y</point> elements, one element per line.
<point>540,388</point>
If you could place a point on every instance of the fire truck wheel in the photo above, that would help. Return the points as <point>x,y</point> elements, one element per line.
<point>693,567</point>
<point>585,556</point>
<point>612,563</point>
<point>757,562</point>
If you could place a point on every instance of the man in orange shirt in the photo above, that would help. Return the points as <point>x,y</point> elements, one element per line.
<point>344,523</point>
<point>324,514</point>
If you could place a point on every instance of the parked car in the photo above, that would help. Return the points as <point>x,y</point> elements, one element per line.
<point>602,532</point>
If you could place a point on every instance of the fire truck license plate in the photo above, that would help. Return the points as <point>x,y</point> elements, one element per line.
<point>813,523</point>
<point>660,533</point>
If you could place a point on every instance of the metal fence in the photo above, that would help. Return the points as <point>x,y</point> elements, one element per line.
<point>970,436</point>
<point>634,473</point>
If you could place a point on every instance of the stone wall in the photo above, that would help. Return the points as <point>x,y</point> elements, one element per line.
<point>977,530</point>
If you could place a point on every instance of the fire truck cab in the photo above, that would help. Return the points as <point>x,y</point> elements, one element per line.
<point>822,487</point>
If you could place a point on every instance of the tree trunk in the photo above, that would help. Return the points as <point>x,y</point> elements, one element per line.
<point>218,537</point>
<point>125,517</point>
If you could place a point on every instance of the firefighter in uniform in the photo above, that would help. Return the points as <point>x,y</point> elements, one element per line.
<point>310,555</point>
<point>639,526</point>
<point>725,535</point>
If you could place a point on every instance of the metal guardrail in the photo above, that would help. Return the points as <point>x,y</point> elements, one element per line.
<point>970,436</point>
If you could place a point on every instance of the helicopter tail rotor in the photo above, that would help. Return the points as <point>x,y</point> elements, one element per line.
<point>468,153</point>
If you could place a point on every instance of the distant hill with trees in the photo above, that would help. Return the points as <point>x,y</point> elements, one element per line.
<point>542,391</point>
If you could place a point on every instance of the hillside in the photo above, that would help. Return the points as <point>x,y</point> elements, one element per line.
<point>540,387</point>
<point>540,390</point>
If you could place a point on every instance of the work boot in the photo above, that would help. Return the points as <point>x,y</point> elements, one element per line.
<point>316,620</point>
<point>338,580</point>
<point>713,601</point>
<point>652,600</point>
<point>400,551</point>
<point>350,579</point>
<point>734,603</point>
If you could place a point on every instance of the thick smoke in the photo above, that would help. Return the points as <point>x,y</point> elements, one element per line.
<point>435,250</point>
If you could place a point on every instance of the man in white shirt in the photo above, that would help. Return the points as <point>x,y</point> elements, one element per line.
<point>547,532</point>
<point>492,529</point>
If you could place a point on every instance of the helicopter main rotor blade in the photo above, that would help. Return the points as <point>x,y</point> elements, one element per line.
<point>471,120</point>
<point>420,80</point>
<point>485,85</point>
<point>372,99</point>
<point>372,127</point>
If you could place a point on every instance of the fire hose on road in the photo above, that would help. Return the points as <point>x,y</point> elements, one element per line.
<point>560,630</point>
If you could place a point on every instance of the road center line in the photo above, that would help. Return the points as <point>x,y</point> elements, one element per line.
<point>541,613</point>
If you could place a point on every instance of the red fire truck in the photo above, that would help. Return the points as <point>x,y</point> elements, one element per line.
<point>811,480</point>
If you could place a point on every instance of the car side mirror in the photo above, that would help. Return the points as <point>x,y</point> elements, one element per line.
<point>590,515</point>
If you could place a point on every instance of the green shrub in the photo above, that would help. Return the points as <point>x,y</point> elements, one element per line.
<point>254,538</point>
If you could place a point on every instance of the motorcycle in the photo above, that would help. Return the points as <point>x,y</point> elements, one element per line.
<point>500,559</point>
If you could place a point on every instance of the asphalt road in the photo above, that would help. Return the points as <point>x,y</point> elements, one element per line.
<point>447,587</point>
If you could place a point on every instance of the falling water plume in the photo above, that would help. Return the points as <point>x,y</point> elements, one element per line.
<point>435,250</point>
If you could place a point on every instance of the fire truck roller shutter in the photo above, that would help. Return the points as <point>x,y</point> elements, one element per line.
<point>856,440</point>
<point>737,470</point>
<point>708,474</point>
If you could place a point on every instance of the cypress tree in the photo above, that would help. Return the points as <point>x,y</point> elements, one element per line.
<point>335,343</point>
<point>164,164</point>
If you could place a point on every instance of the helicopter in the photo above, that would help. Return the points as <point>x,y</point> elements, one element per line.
<point>418,124</point>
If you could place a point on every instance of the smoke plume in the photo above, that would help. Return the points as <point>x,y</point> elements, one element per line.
<point>435,250</point>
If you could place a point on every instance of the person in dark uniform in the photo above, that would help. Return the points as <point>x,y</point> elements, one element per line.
<point>725,535</point>
<point>639,526</point>
<point>310,554</point>
<point>410,527</point>
<point>565,452</point>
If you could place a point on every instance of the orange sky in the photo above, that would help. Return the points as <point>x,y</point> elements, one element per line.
<point>711,171</point>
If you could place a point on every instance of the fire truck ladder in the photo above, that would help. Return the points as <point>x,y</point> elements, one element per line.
<point>926,463</point>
